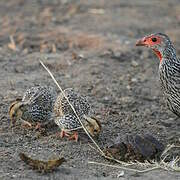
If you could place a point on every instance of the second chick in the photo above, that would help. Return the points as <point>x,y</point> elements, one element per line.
<point>66,119</point>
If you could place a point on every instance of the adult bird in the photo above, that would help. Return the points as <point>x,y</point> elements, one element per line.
<point>169,68</point>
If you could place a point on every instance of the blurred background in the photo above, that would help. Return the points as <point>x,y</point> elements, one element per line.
<point>59,25</point>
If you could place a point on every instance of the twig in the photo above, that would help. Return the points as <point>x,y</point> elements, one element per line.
<point>168,166</point>
<point>111,158</point>
<point>167,149</point>
<point>99,149</point>
<point>124,168</point>
<point>71,107</point>
<point>92,147</point>
<point>96,11</point>
<point>12,44</point>
<point>156,165</point>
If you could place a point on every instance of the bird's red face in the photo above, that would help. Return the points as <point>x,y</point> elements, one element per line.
<point>149,41</point>
<point>155,42</point>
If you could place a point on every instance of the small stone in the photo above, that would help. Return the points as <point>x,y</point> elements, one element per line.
<point>128,87</point>
<point>134,63</point>
<point>134,80</point>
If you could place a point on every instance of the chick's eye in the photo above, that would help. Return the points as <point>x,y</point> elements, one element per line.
<point>154,39</point>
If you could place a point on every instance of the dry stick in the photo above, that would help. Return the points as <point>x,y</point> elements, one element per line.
<point>12,41</point>
<point>71,107</point>
<point>113,159</point>
<point>125,168</point>
<point>168,148</point>
<point>102,153</point>
<point>99,149</point>
<point>156,165</point>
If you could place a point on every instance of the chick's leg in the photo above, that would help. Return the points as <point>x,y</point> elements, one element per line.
<point>63,133</point>
<point>74,136</point>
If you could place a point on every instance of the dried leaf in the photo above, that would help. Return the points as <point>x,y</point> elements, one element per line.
<point>42,166</point>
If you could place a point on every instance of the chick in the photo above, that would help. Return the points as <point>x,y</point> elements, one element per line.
<point>66,119</point>
<point>79,102</point>
<point>70,123</point>
<point>36,106</point>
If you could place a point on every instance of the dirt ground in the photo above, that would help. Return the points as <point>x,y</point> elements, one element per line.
<point>90,46</point>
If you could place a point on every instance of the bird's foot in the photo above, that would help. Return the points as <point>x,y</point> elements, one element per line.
<point>74,136</point>
<point>64,134</point>
<point>70,136</point>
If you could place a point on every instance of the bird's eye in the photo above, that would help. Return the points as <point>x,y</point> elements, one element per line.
<point>154,39</point>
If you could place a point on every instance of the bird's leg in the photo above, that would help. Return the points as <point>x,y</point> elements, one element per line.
<point>63,134</point>
<point>74,136</point>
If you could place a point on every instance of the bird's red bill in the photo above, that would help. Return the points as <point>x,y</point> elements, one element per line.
<point>141,43</point>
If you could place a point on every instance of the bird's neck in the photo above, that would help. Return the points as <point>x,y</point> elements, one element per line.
<point>158,54</point>
<point>169,53</point>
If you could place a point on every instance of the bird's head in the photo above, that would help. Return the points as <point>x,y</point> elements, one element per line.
<point>16,111</point>
<point>158,42</point>
<point>93,126</point>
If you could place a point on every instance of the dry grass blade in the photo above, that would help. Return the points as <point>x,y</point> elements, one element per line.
<point>169,147</point>
<point>124,168</point>
<point>96,11</point>
<point>12,44</point>
<point>149,166</point>
<point>173,164</point>
<point>111,158</point>
<point>154,165</point>
<point>71,107</point>
<point>98,148</point>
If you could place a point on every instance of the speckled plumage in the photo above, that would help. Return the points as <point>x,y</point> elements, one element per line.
<point>68,122</point>
<point>169,74</point>
<point>37,104</point>
<point>42,99</point>
<point>65,116</point>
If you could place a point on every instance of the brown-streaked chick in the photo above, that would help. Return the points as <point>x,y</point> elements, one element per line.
<point>66,119</point>
<point>36,106</point>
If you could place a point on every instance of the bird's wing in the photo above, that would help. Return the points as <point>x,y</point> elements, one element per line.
<point>68,122</point>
